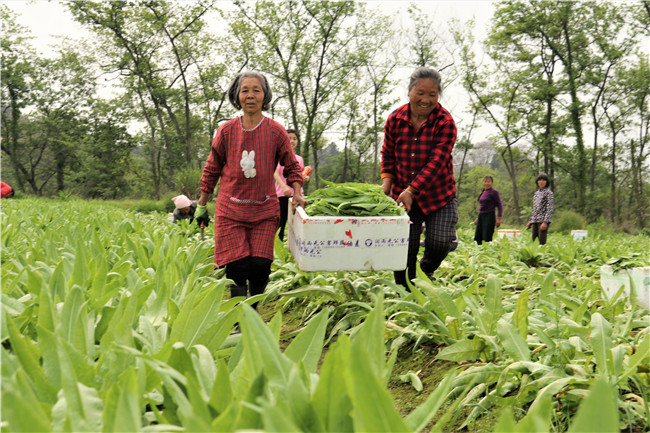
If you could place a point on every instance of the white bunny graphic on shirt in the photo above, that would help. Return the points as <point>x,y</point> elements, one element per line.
<point>247,164</point>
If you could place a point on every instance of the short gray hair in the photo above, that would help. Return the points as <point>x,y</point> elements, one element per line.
<point>424,72</point>
<point>233,89</point>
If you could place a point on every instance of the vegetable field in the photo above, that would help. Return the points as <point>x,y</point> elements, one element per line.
<point>116,321</point>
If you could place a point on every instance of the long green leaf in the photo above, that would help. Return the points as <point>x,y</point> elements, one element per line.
<point>493,305</point>
<point>28,355</point>
<point>197,314</point>
<point>74,321</point>
<point>376,414</point>
<point>22,410</point>
<point>423,414</point>
<point>261,350</point>
<point>521,313</point>
<point>122,408</point>
<point>308,344</point>
<point>332,399</point>
<point>370,338</point>
<point>642,355</point>
<point>512,341</point>
<point>601,342</point>
<point>465,350</point>
<point>598,412</point>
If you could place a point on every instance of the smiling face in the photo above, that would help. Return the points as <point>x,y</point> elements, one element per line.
<point>423,97</point>
<point>487,183</point>
<point>251,95</point>
<point>293,138</point>
<point>541,183</point>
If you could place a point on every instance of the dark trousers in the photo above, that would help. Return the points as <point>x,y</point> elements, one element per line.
<point>284,213</point>
<point>485,224</point>
<point>252,270</point>
<point>541,234</point>
<point>439,234</point>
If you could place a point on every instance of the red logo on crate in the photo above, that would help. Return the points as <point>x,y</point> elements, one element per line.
<point>348,233</point>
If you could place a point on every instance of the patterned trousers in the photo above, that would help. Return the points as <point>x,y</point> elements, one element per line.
<point>440,233</point>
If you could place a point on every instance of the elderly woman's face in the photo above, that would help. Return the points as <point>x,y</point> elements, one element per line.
<point>423,97</point>
<point>251,95</point>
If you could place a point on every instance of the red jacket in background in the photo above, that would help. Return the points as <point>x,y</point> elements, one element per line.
<point>5,189</point>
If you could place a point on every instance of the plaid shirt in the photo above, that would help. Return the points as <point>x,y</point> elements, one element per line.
<point>422,158</point>
<point>241,198</point>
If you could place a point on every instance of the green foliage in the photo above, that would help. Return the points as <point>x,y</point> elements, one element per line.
<point>188,182</point>
<point>566,220</point>
<point>351,199</point>
<point>114,320</point>
<point>145,206</point>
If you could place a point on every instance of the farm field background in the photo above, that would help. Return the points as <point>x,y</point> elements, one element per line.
<point>114,320</point>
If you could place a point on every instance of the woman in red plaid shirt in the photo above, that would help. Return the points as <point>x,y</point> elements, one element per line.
<point>417,170</point>
<point>244,155</point>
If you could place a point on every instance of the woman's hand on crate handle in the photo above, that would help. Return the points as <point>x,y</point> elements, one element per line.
<point>386,184</point>
<point>405,198</point>
<point>298,200</point>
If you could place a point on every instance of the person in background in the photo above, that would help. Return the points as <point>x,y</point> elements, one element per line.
<point>244,155</point>
<point>540,218</point>
<point>417,170</point>
<point>6,191</point>
<point>283,190</point>
<point>185,208</point>
<point>489,200</point>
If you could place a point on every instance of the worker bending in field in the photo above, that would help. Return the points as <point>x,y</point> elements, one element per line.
<point>185,208</point>
<point>417,170</point>
<point>244,155</point>
<point>6,191</point>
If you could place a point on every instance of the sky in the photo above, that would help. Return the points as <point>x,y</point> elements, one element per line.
<point>49,22</point>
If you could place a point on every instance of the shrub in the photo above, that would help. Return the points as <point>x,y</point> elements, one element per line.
<point>146,206</point>
<point>188,182</point>
<point>569,220</point>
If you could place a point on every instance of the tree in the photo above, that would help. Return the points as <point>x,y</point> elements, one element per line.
<point>310,49</point>
<point>560,30</point>
<point>635,80</point>
<point>16,70</point>
<point>104,156</point>
<point>155,47</point>
<point>498,103</point>
<point>49,100</point>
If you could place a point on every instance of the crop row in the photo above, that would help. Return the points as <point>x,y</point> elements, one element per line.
<point>116,321</point>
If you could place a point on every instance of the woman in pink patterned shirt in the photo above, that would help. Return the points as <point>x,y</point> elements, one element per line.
<point>243,157</point>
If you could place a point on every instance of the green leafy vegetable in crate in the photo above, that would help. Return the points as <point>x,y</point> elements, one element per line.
<point>351,199</point>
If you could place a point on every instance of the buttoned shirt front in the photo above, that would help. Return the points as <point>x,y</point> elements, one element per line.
<point>243,197</point>
<point>420,158</point>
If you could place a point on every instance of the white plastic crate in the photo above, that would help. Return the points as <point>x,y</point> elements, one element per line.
<point>322,243</point>
<point>579,234</point>
<point>505,233</point>
<point>611,283</point>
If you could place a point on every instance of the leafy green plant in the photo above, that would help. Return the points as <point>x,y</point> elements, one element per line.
<point>351,199</point>
<point>567,220</point>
